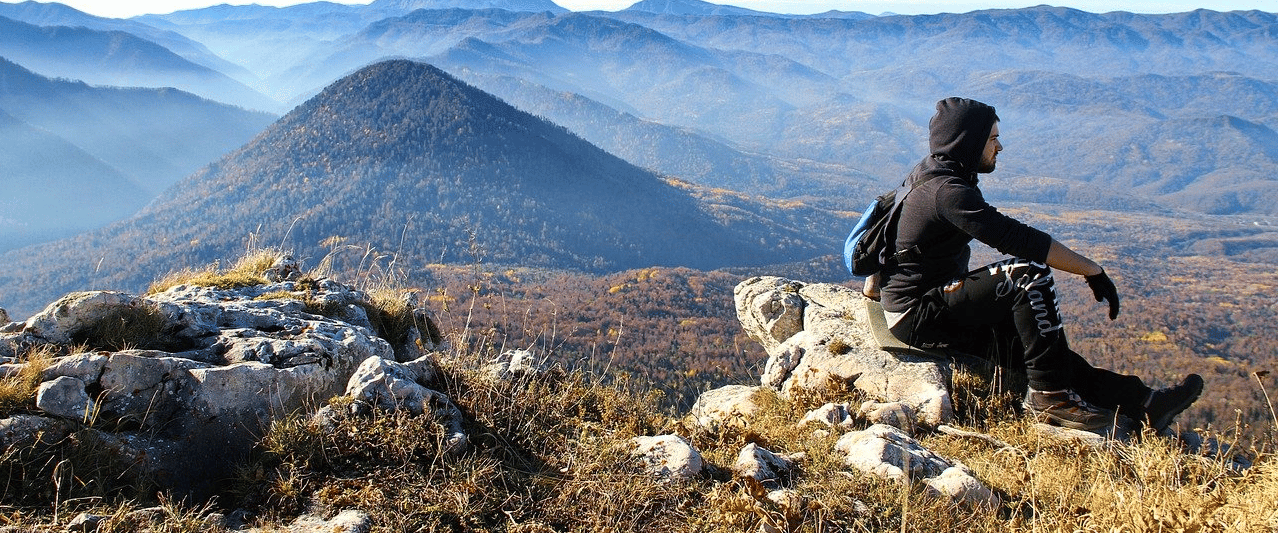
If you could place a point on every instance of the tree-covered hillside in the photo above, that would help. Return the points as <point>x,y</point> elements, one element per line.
<point>403,158</point>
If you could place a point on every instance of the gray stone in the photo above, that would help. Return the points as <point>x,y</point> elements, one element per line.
<point>26,430</point>
<point>895,414</point>
<point>75,313</point>
<point>887,452</point>
<point>958,485</point>
<point>86,367</point>
<point>65,397</point>
<point>391,386</point>
<point>764,466</point>
<point>731,405</point>
<point>830,414</point>
<point>349,521</point>
<point>234,360</point>
<point>834,343</point>
<point>512,363</point>
<point>669,457</point>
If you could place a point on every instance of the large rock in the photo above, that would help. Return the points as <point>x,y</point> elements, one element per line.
<point>818,334</point>
<point>730,405</point>
<point>220,366</point>
<point>669,457</point>
<point>888,453</point>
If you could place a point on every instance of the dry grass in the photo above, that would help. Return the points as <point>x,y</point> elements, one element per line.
<point>245,272</point>
<point>18,391</point>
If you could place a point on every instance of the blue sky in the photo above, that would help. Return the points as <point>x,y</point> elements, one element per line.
<point>128,8</point>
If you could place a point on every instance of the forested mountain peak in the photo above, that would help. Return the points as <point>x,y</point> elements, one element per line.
<point>403,158</point>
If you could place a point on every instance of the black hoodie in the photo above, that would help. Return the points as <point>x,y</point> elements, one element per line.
<point>946,210</point>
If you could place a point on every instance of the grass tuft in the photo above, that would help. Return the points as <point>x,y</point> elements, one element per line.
<point>246,272</point>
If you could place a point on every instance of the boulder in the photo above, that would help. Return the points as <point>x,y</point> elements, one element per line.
<point>766,467</point>
<point>74,313</point>
<point>65,397</point>
<point>830,414</point>
<point>818,334</point>
<point>888,453</point>
<point>669,457</point>
<point>895,414</point>
<point>394,386</point>
<point>730,405</point>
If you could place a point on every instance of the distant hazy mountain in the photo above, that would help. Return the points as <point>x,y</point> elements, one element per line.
<point>682,152</point>
<point>406,159</point>
<point>118,58</point>
<point>691,7</point>
<point>53,189</point>
<point>153,136</point>
<point>1051,38</point>
<point>509,5</point>
<point>55,14</point>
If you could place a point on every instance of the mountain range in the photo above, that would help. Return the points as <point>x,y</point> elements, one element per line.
<point>850,92</point>
<point>406,160</point>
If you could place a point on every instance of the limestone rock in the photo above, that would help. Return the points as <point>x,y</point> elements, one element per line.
<point>895,414</point>
<point>830,414</point>
<point>25,430</point>
<point>285,268</point>
<point>957,484</point>
<point>731,404</point>
<point>763,465</point>
<point>770,309</point>
<point>86,367</point>
<point>669,457</point>
<point>74,313</point>
<point>512,363</point>
<point>65,397</point>
<point>349,521</point>
<point>394,386</point>
<point>816,334</point>
<point>887,452</point>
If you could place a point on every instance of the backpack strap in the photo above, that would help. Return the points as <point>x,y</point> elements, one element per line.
<point>913,253</point>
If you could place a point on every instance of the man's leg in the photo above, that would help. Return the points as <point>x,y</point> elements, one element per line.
<point>1023,293</point>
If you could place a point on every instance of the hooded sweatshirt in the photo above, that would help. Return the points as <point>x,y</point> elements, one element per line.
<point>946,210</point>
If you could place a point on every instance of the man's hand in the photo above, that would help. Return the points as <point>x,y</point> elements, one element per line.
<point>1103,288</point>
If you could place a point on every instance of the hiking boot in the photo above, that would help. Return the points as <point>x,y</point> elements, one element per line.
<point>1064,408</point>
<point>1164,404</point>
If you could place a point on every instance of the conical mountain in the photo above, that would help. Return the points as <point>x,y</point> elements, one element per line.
<point>404,159</point>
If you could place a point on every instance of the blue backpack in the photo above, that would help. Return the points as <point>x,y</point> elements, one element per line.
<point>872,242</point>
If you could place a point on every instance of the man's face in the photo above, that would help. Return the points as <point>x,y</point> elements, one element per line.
<point>990,156</point>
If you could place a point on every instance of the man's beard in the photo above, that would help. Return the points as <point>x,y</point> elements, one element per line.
<point>986,166</point>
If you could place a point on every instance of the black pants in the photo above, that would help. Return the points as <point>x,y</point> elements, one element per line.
<point>1017,296</point>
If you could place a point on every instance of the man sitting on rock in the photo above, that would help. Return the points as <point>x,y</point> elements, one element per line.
<point>931,299</point>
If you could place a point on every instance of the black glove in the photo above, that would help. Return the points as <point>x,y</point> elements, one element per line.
<point>1103,288</point>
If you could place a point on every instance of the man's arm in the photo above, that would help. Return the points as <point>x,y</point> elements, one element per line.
<point>1060,257</point>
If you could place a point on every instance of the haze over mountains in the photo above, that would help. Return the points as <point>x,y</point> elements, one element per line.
<point>814,113</point>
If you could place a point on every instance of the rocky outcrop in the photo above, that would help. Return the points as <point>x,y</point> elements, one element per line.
<point>209,369</point>
<point>818,334</point>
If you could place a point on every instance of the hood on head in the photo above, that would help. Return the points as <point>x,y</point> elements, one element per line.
<point>958,131</point>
